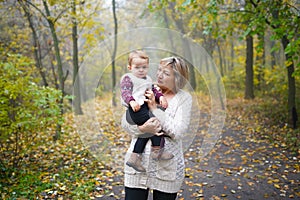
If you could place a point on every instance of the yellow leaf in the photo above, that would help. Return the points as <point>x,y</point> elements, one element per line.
<point>250,183</point>
<point>277,186</point>
<point>288,63</point>
<point>274,167</point>
<point>276,180</point>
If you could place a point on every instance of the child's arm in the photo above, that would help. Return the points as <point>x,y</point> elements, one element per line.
<point>159,97</point>
<point>126,93</point>
<point>126,86</point>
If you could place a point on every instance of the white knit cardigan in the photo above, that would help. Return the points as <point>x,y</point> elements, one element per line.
<point>165,176</point>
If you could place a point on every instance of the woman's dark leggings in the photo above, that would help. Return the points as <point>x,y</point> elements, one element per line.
<point>142,194</point>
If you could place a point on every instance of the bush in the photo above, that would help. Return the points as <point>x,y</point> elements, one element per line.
<point>26,110</point>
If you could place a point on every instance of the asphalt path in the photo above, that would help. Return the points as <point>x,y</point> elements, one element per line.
<point>240,166</point>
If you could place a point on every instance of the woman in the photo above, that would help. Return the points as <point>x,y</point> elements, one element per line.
<point>164,177</point>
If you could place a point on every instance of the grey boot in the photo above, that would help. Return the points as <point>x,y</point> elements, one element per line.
<point>135,161</point>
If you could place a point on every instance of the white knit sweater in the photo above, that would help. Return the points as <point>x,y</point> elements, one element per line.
<point>140,85</point>
<point>165,176</point>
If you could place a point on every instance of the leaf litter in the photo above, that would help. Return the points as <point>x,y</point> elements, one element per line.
<point>87,162</point>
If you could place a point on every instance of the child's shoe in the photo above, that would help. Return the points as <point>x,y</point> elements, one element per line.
<point>159,154</point>
<point>135,161</point>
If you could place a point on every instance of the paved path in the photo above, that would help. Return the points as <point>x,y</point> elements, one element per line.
<point>239,167</point>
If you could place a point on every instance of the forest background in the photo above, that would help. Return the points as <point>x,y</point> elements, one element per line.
<point>254,44</point>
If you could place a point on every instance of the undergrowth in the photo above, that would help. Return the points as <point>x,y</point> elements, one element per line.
<point>266,118</point>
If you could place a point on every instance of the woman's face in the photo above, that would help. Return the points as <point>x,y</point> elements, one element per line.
<point>166,77</point>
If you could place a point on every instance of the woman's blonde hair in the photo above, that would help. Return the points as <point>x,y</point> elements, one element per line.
<point>137,54</point>
<point>180,68</point>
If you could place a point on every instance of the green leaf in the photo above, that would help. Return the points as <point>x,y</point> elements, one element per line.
<point>247,32</point>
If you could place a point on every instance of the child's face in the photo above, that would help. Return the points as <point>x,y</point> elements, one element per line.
<point>139,67</point>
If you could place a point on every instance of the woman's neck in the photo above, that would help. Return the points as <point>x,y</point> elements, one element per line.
<point>168,94</point>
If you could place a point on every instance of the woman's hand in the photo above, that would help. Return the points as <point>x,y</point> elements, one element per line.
<point>150,100</point>
<point>163,102</point>
<point>152,125</point>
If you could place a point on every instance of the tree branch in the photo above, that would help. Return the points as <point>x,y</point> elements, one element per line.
<point>34,6</point>
<point>266,20</point>
<point>60,14</point>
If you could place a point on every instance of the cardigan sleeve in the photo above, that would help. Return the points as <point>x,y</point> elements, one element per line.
<point>133,130</point>
<point>176,119</point>
<point>126,86</point>
<point>157,93</point>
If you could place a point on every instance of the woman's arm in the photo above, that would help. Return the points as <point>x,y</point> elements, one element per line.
<point>152,126</point>
<point>176,119</point>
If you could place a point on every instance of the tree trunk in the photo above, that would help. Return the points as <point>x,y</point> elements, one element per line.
<point>232,56</point>
<point>186,48</point>
<point>273,56</point>
<point>249,93</point>
<point>59,64</point>
<point>168,27</point>
<point>56,47</point>
<point>76,84</point>
<point>291,88</point>
<point>187,54</point>
<point>55,81</point>
<point>260,62</point>
<point>36,51</point>
<point>220,59</point>
<point>114,54</point>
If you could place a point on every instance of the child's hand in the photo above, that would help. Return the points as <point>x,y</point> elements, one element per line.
<point>135,106</point>
<point>163,102</point>
<point>157,87</point>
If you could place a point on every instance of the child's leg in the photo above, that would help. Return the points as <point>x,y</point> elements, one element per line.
<point>135,160</point>
<point>140,144</point>
<point>156,140</point>
<point>158,151</point>
<point>141,116</point>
